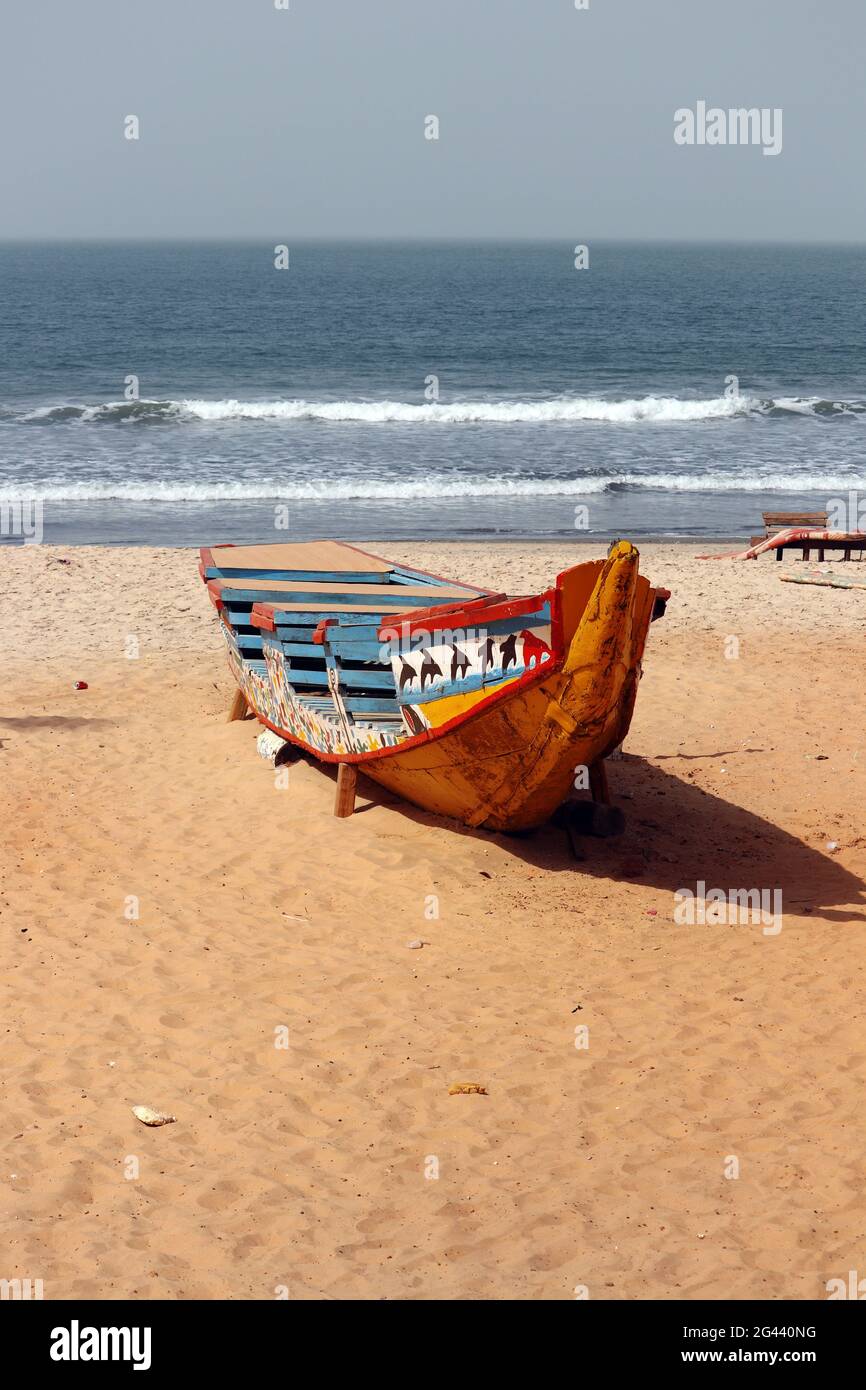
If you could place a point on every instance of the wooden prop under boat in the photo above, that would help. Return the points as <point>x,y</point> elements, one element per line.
<point>477,705</point>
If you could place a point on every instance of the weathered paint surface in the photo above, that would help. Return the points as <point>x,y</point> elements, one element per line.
<point>511,765</point>
<point>502,753</point>
<point>444,679</point>
<point>271,696</point>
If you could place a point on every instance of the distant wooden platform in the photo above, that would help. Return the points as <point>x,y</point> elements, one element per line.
<point>780,521</point>
<point>774,522</point>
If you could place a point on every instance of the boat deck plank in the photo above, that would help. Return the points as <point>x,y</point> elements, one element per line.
<point>398,594</point>
<point>300,555</point>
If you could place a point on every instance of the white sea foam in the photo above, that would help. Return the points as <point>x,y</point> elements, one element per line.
<point>431,487</point>
<point>558,410</point>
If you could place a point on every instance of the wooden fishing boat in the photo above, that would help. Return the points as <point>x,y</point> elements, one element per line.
<point>478,705</point>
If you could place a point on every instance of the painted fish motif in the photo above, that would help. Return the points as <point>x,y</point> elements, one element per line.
<point>429,668</point>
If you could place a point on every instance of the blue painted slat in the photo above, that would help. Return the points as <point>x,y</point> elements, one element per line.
<point>402,574</point>
<point>407,577</point>
<point>301,679</point>
<point>368,704</point>
<point>356,651</point>
<point>308,576</point>
<point>238,595</point>
<point>303,649</point>
<point>360,680</point>
<point>294,634</point>
<point>374,703</point>
<point>316,615</point>
<point>355,632</point>
<point>390,596</point>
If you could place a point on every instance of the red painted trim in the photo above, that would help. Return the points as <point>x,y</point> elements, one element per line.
<point>490,609</point>
<point>262,615</point>
<point>425,616</point>
<point>320,631</point>
<point>428,620</point>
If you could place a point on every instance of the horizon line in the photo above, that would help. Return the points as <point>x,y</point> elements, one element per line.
<point>249,239</point>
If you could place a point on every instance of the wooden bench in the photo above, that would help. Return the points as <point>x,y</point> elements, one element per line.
<point>781,521</point>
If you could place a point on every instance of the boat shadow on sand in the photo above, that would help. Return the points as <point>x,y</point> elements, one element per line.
<point>678,836</point>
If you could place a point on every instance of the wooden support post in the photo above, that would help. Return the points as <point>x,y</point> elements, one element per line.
<point>347,780</point>
<point>598,783</point>
<point>239,707</point>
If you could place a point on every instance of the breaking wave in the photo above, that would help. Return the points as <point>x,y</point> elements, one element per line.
<point>430,487</point>
<point>558,410</point>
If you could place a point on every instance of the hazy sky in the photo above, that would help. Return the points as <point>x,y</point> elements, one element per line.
<point>310,122</point>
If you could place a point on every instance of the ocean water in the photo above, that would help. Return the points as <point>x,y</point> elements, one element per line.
<point>441,390</point>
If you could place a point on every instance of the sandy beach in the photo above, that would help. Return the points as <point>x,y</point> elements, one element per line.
<point>171,916</point>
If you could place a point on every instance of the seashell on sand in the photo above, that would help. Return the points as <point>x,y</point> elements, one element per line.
<point>147,1116</point>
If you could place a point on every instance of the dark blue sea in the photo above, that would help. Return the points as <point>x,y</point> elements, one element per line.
<point>183,393</point>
